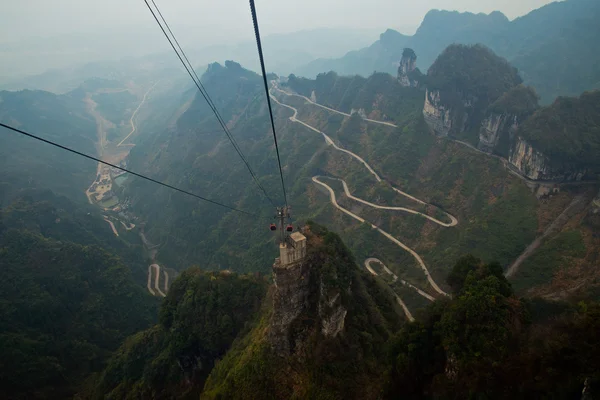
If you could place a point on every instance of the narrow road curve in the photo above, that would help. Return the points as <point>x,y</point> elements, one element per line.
<point>156,268</point>
<point>112,225</point>
<point>330,141</point>
<point>511,169</point>
<point>331,109</point>
<point>384,233</point>
<point>368,262</point>
<point>152,292</point>
<point>166,280</point>
<point>157,280</point>
<point>398,299</point>
<point>133,116</point>
<point>408,210</point>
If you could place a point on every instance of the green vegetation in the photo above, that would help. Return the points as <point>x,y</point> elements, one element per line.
<point>539,269</point>
<point>320,366</point>
<point>482,344</point>
<point>56,217</point>
<point>469,79</point>
<point>568,131</point>
<point>199,319</point>
<point>63,309</point>
<point>26,164</point>
<point>520,101</point>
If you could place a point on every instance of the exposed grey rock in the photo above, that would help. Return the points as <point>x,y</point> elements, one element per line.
<point>290,300</point>
<point>537,166</point>
<point>493,127</point>
<point>436,115</point>
<point>331,311</point>
<point>408,64</point>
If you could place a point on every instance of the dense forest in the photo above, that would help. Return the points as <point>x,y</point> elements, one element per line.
<point>25,163</point>
<point>487,343</point>
<point>69,295</point>
<point>65,308</point>
<point>568,131</point>
<point>198,320</point>
<point>76,320</point>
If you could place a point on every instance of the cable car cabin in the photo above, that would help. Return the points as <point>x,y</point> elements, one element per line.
<point>273,227</point>
<point>289,228</point>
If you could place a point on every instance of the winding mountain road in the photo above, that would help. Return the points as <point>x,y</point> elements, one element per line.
<point>330,141</point>
<point>368,262</point>
<point>112,225</point>
<point>408,210</point>
<point>331,109</point>
<point>384,233</point>
<point>398,299</point>
<point>133,128</point>
<point>156,268</point>
<point>315,179</point>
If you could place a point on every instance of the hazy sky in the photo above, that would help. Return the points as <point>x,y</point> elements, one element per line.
<point>229,20</point>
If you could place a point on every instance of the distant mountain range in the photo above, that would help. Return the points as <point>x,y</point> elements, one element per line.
<point>554,47</point>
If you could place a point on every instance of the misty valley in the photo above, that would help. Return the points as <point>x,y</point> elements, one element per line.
<point>339,217</point>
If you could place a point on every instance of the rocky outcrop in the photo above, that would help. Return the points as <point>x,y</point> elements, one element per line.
<point>436,115</point>
<point>535,165</point>
<point>361,112</point>
<point>290,300</point>
<point>408,64</point>
<point>493,127</point>
<point>331,311</point>
<point>306,301</point>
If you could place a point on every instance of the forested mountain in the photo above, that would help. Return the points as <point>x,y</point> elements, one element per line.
<point>328,329</point>
<point>66,302</point>
<point>199,319</point>
<point>413,174</point>
<point>25,163</point>
<point>553,47</point>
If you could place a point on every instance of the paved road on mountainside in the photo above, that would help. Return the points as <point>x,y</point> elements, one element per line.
<point>384,233</point>
<point>368,262</point>
<point>505,162</point>
<point>408,210</point>
<point>152,292</point>
<point>157,280</point>
<point>333,110</point>
<point>398,299</point>
<point>114,229</point>
<point>133,116</point>
<point>333,199</point>
<point>330,141</point>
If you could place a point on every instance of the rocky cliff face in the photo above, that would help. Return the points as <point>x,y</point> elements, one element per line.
<point>301,294</point>
<point>493,127</point>
<point>322,333</point>
<point>408,64</point>
<point>290,300</point>
<point>436,115</point>
<point>536,165</point>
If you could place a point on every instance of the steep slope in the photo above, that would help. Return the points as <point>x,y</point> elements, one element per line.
<point>56,217</point>
<point>498,215</point>
<point>318,337</point>
<point>65,308</point>
<point>486,342</point>
<point>461,84</point>
<point>554,46</point>
<point>29,164</point>
<point>199,319</point>
<point>565,137</point>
